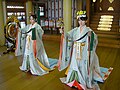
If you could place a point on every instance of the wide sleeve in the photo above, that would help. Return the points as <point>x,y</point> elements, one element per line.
<point>93,39</point>
<point>20,41</point>
<point>65,50</point>
<point>40,31</point>
<point>70,34</point>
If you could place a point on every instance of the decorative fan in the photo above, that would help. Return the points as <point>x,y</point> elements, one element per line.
<point>10,29</point>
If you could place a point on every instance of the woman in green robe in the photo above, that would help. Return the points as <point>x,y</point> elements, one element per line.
<point>79,54</point>
<point>29,44</point>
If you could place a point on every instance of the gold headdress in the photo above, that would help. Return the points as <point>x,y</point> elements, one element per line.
<point>81,14</point>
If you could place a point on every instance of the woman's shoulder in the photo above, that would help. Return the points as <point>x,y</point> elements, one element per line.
<point>89,29</point>
<point>73,30</point>
<point>37,26</point>
<point>76,28</point>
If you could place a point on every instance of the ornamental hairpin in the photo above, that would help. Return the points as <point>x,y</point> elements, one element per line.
<point>81,14</point>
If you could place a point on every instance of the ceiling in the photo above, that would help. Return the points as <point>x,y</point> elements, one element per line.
<point>18,0</point>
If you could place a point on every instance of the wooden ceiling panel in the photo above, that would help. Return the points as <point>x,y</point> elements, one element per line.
<point>18,0</point>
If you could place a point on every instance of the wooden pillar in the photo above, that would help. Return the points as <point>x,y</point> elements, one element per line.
<point>4,11</point>
<point>29,8</point>
<point>79,5</point>
<point>88,7</point>
<point>67,14</point>
<point>2,38</point>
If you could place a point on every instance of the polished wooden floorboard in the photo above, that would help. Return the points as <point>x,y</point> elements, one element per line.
<point>11,78</point>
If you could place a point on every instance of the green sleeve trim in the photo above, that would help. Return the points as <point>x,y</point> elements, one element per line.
<point>91,41</point>
<point>33,34</point>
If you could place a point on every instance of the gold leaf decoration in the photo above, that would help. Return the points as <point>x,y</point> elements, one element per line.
<point>111,1</point>
<point>110,9</point>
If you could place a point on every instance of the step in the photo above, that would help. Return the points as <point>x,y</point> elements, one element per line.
<point>108,36</point>
<point>108,45</point>
<point>107,32</point>
<point>98,16</point>
<point>114,14</point>
<point>112,30</point>
<point>109,41</point>
<point>97,22</point>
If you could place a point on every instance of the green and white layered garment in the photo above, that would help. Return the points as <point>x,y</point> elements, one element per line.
<point>78,54</point>
<point>29,44</point>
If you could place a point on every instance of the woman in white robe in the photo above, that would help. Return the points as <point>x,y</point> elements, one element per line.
<point>29,43</point>
<point>78,54</point>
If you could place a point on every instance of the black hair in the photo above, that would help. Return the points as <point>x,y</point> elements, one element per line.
<point>34,17</point>
<point>83,18</point>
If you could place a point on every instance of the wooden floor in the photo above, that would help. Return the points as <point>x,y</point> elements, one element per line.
<point>11,78</point>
